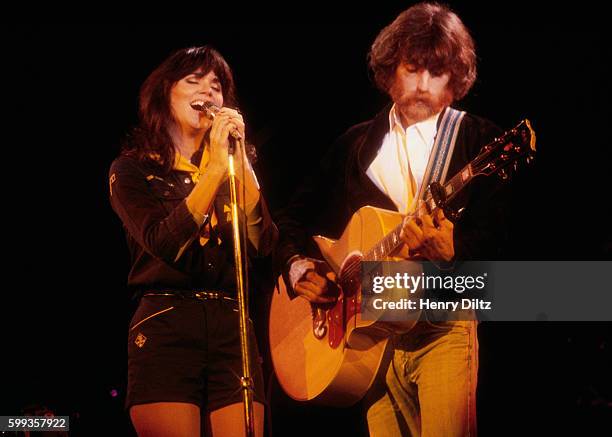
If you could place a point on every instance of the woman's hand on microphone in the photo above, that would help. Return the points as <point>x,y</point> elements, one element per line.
<point>226,120</point>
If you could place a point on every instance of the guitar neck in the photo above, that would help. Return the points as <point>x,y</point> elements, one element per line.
<point>494,158</point>
<point>426,205</point>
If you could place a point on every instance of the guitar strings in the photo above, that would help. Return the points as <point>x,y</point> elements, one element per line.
<point>475,163</point>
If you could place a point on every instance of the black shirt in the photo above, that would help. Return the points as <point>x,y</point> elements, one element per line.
<point>159,227</point>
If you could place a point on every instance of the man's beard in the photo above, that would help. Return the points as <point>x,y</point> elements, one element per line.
<point>419,108</point>
<point>416,106</point>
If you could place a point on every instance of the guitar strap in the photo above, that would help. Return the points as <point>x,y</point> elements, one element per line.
<point>442,150</point>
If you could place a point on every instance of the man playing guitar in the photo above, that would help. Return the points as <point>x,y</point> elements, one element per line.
<point>425,60</point>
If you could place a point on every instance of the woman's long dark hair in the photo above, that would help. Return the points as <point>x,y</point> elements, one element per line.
<point>150,141</point>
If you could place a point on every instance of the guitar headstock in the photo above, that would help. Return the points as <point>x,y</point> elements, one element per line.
<point>507,152</point>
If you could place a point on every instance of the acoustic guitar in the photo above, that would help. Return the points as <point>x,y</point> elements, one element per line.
<point>327,353</point>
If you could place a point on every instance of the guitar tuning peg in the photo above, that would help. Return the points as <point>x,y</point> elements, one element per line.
<point>529,159</point>
<point>503,174</point>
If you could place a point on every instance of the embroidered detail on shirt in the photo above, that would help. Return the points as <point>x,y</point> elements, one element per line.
<point>111,181</point>
<point>140,340</point>
<point>152,176</point>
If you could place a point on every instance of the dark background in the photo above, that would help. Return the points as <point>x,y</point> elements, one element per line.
<point>302,80</point>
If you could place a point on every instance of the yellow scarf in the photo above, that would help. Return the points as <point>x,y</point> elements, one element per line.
<point>181,163</point>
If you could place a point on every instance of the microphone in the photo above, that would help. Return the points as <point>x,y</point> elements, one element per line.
<point>210,110</point>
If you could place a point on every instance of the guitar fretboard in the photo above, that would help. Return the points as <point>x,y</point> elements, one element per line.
<point>390,242</point>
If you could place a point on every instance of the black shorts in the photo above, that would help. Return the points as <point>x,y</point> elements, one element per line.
<point>188,350</point>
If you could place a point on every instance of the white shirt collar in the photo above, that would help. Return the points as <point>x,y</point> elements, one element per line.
<point>427,128</point>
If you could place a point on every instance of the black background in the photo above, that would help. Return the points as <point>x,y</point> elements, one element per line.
<point>302,80</point>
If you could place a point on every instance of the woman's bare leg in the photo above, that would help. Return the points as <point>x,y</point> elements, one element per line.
<point>167,419</point>
<point>229,420</point>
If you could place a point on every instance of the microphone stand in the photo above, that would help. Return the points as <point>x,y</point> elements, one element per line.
<point>246,382</point>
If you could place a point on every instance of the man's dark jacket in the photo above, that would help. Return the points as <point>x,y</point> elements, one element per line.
<point>325,202</point>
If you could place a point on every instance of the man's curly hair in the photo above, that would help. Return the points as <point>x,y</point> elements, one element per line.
<point>428,36</point>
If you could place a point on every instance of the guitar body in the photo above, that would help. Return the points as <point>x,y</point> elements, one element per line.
<point>337,366</point>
